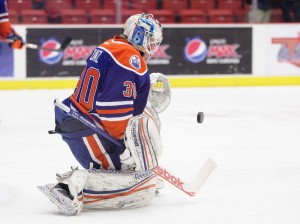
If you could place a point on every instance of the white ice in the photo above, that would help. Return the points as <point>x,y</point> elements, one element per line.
<point>251,132</point>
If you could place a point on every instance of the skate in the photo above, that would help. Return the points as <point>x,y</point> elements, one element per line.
<point>59,194</point>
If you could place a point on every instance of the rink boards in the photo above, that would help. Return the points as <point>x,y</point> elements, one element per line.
<point>191,55</point>
<point>174,81</point>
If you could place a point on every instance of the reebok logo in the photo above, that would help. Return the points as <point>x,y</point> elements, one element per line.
<point>174,180</point>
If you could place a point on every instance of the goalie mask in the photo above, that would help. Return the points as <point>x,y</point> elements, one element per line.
<point>144,32</point>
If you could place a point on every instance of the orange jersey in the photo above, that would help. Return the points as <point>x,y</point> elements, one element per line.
<point>5,27</point>
<point>114,86</point>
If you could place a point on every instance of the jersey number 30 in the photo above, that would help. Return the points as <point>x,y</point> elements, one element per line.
<point>86,88</point>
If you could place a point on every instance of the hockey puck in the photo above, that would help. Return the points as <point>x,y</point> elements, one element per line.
<point>200,117</point>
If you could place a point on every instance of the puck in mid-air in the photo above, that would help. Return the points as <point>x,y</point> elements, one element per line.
<point>200,117</point>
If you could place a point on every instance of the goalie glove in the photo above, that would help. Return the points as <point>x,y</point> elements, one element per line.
<point>160,92</point>
<point>16,40</point>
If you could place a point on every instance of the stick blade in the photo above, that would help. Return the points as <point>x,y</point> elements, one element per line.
<point>199,180</point>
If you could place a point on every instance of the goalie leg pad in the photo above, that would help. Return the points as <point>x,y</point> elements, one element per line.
<point>150,112</point>
<point>111,189</point>
<point>102,189</point>
<point>142,139</point>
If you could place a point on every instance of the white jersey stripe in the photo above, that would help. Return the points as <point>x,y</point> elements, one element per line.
<point>3,20</point>
<point>3,14</point>
<point>115,103</point>
<point>115,118</point>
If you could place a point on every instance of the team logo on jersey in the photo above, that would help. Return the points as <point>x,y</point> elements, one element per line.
<point>50,57</point>
<point>135,61</point>
<point>195,50</point>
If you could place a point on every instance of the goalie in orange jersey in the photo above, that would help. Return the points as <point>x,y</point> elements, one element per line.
<point>116,137</point>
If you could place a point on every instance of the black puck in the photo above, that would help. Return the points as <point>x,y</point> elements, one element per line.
<point>200,117</point>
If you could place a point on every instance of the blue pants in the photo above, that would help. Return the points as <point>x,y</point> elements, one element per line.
<point>91,149</point>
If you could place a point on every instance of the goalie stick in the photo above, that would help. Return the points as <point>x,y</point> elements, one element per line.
<point>63,45</point>
<point>193,187</point>
<point>190,188</point>
<point>88,121</point>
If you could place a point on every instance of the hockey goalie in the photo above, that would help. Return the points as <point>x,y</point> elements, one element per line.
<point>120,99</point>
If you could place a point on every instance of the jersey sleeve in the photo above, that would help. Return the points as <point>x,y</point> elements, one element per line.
<point>5,27</point>
<point>3,9</point>
<point>143,89</point>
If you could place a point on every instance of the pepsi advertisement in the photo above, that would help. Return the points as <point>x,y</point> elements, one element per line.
<point>190,51</point>
<point>195,51</point>
<point>70,61</point>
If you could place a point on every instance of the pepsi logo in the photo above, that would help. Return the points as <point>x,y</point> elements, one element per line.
<point>195,50</point>
<point>50,57</point>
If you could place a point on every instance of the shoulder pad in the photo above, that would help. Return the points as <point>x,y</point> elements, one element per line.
<point>125,55</point>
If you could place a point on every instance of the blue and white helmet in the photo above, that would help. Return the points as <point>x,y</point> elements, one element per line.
<point>144,32</point>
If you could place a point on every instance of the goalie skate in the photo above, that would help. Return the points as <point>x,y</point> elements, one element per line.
<point>60,198</point>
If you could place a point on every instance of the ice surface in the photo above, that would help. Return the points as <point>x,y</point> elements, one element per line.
<point>251,132</point>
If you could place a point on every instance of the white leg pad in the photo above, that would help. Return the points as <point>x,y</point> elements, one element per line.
<point>143,143</point>
<point>111,189</point>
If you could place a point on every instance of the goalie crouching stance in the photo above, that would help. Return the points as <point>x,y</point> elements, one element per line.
<point>117,93</point>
